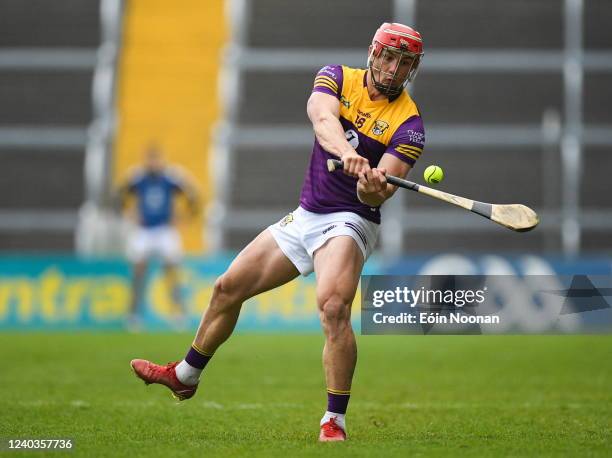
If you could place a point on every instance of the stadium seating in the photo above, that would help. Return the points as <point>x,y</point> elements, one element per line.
<point>41,180</point>
<point>452,102</point>
<point>167,90</point>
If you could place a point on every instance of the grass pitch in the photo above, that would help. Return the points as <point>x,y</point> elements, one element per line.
<point>263,395</point>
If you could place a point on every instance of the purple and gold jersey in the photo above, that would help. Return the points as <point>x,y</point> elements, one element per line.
<point>373,128</point>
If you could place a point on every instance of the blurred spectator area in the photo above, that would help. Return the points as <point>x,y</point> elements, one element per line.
<point>166,91</point>
<point>494,98</point>
<point>514,98</point>
<point>47,59</point>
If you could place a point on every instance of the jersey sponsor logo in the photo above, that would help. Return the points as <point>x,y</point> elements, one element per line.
<point>352,138</point>
<point>286,220</point>
<point>326,230</point>
<point>379,127</point>
<point>416,137</point>
<point>344,101</point>
<point>327,70</point>
<point>361,119</point>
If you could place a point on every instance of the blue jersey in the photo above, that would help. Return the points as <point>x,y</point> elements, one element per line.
<point>155,197</point>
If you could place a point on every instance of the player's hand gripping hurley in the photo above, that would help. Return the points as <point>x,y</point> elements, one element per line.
<point>517,217</point>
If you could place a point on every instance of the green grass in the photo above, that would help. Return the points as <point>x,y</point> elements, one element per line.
<point>263,395</point>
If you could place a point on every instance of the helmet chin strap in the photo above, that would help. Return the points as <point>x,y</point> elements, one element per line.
<point>385,89</point>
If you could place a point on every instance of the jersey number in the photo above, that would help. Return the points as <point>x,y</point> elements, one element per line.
<point>359,121</point>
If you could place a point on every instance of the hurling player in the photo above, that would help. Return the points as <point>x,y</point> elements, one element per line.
<point>365,118</point>
<point>155,186</point>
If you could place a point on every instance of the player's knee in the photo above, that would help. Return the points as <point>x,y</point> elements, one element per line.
<point>226,291</point>
<point>335,311</point>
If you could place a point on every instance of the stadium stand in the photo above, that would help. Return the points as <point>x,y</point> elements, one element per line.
<point>500,116</point>
<point>46,66</point>
<point>492,100</point>
<point>167,89</point>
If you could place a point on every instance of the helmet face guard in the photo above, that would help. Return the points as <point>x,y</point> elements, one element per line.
<point>395,55</point>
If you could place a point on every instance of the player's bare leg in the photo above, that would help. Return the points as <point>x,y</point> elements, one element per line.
<point>337,266</point>
<point>138,274</point>
<point>173,286</point>
<point>260,267</point>
<point>139,270</point>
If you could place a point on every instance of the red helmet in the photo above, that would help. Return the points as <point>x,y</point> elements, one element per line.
<point>405,44</point>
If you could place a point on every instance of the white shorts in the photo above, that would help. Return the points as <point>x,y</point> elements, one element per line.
<point>162,241</point>
<point>301,233</point>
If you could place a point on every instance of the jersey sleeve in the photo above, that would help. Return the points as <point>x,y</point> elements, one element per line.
<point>329,81</point>
<point>175,179</point>
<point>134,180</point>
<point>408,140</point>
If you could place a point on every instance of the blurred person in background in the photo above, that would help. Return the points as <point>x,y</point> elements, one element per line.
<point>365,118</point>
<point>155,186</point>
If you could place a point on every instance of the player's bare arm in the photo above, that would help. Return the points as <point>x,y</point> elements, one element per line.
<point>324,113</point>
<point>121,195</point>
<point>372,186</point>
<point>120,201</point>
<point>190,191</point>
